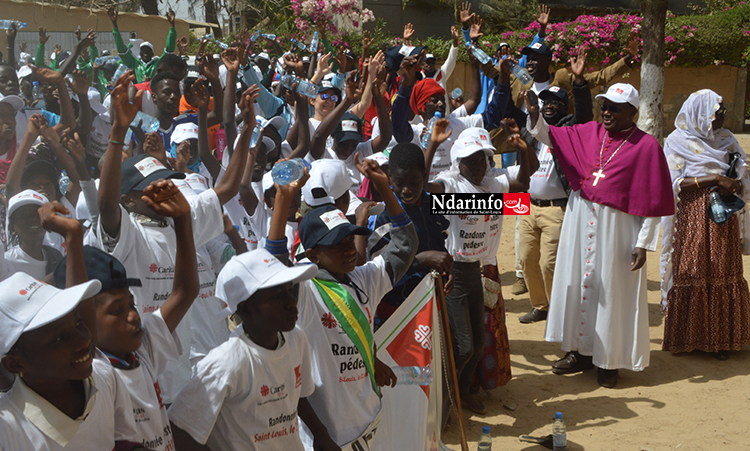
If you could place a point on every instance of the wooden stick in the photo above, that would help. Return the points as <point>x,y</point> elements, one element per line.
<point>452,376</point>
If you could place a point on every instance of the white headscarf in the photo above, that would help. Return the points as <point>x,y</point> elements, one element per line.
<point>695,149</point>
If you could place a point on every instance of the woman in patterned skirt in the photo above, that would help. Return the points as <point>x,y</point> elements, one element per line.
<point>704,293</point>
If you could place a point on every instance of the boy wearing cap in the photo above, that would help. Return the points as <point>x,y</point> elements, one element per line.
<point>341,299</point>
<point>139,352</point>
<point>28,253</point>
<point>621,187</point>
<point>142,239</point>
<point>63,398</point>
<point>446,70</point>
<point>248,393</point>
<point>473,240</point>
<point>346,129</point>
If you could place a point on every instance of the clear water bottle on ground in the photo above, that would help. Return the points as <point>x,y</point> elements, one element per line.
<point>308,89</point>
<point>255,36</point>
<point>485,441</point>
<point>559,438</point>
<point>269,36</point>
<point>150,124</point>
<point>298,44</point>
<point>221,44</point>
<point>413,375</point>
<point>121,69</point>
<point>717,207</point>
<point>209,37</point>
<point>478,53</point>
<point>7,24</point>
<point>521,74</point>
<point>314,43</point>
<point>289,171</point>
<point>430,125</point>
<point>37,95</point>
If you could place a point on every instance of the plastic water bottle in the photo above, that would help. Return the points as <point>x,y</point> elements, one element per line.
<point>456,93</point>
<point>521,74</point>
<point>314,43</point>
<point>7,24</point>
<point>308,89</point>
<point>485,441</point>
<point>288,81</point>
<point>269,36</point>
<point>559,438</point>
<point>279,66</point>
<point>289,171</point>
<point>430,125</point>
<point>37,95</point>
<point>413,375</point>
<point>298,44</point>
<point>209,37</point>
<point>102,60</point>
<point>64,182</point>
<point>717,207</point>
<point>150,123</point>
<point>478,53</point>
<point>256,135</point>
<point>221,44</point>
<point>121,69</point>
<point>255,36</point>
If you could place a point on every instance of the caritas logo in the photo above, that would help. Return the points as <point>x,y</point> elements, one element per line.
<point>516,203</point>
<point>329,321</point>
<point>153,267</point>
<point>265,390</point>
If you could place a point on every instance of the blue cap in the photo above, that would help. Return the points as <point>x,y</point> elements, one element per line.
<point>486,429</point>
<point>558,416</point>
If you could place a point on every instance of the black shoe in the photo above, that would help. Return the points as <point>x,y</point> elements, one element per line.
<point>607,378</point>
<point>573,362</point>
<point>533,316</point>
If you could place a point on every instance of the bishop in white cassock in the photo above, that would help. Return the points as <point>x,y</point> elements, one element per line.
<point>621,187</point>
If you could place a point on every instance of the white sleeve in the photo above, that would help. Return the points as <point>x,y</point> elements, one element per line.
<point>649,234</point>
<point>373,279</point>
<point>159,345</point>
<point>503,177</point>
<point>208,219</point>
<point>449,64</point>
<point>375,128</point>
<point>308,386</point>
<point>540,131</point>
<point>473,120</point>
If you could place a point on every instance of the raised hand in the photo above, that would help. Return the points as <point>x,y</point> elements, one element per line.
<point>409,71</point>
<point>504,65</point>
<point>324,68</point>
<point>543,17</point>
<point>165,199</point>
<point>43,37</point>
<point>241,52</point>
<point>46,74</point>
<point>89,39</point>
<point>440,131</point>
<point>113,13</point>
<point>578,65</point>
<point>466,14</point>
<point>371,169</point>
<point>246,105</point>
<point>476,28</point>
<point>170,17</point>
<point>34,124</point>
<point>355,86</point>
<point>52,219</point>
<point>72,143</point>
<point>22,47</point>
<point>182,156</point>
<point>153,145</point>
<point>209,67</point>
<point>341,59</point>
<point>11,33</point>
<point>408,32</point>
<point>80,84</point>
<point>366,41</point>
<point>201,95</point>
<point>123,112</point>
<point>230,59</point>
<point>293,62</point>
<point>456,35</point>
<point>57,50</point>
<point>182,44</point>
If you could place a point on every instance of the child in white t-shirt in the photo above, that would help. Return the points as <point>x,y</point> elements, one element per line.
<point>248,393</point>
<point>139,352</point>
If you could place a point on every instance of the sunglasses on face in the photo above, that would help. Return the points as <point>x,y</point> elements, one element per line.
<point>611,108</point>
<point>333,97</point>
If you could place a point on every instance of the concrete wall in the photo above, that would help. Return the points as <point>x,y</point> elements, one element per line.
<point>728,81</point>
<point>61,22</point>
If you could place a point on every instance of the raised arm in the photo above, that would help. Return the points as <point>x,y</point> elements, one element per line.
<point>70,64</point>
<point>475,93</point>
<point>354,89</point>
<point>231,59</point>
<point>210,69</point>
<point>401,109</point>
<point>380,142</point>
<point>67,116</point>
<point>303,126</point>
<point>584,107</point>
<point>440,133</point>
<point>11,48</point>
<point>527,160</point>
<point>200,94</point>
<point>123,112</point>
<point>15,170</point>
<point>164,198</point>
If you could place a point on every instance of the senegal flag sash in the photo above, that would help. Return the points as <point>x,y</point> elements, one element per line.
<point>346,311</point>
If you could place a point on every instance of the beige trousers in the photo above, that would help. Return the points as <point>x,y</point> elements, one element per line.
<point>539,234</point>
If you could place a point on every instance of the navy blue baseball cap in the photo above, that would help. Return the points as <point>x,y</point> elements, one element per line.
<point>101,266</point>
<point>138,172</point>
<point>538,47</point>
<point>327,226</point>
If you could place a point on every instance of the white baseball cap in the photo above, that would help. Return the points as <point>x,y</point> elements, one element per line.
<point>14,101</point>
<point>328,181</point>
<point>146,44</point>
<point>247,273</point>
<point>25,197</point>
<point>277,122</point>
<point>621,93</point>
<point>381,158</point>
<point>264,56</point>
<point>429,56</point>
<point>95,103</point>
<point>471,141</point>
<point>197,182</point>
<point>184,131</point>
<point>24,71</point>
<point>28,304</point>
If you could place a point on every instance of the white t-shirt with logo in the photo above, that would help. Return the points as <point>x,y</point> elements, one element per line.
<point>207,314</point>
<point>459,121</point>
<point>148,253</point>
<point>545,184</point>
<point>356,177</point>
<point>158,347</point>
<point>95,431</point>
<point>244,397</point>
<point>474,238</point>
<point>101,128</point>
<point>344,398</point>
<point>24,262</point>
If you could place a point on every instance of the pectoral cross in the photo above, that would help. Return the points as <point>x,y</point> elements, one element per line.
<point>598,175</point>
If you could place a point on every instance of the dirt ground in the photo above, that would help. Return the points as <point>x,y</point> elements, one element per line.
<point>686,402</point>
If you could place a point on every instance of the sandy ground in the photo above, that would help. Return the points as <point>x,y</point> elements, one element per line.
<point>686,402</point>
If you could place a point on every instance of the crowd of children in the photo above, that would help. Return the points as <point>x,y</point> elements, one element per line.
<point>160,291</point>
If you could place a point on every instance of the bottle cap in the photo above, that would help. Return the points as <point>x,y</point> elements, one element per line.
<point>486,429</point>
<point>438,114</point>
<point>558,416</point>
